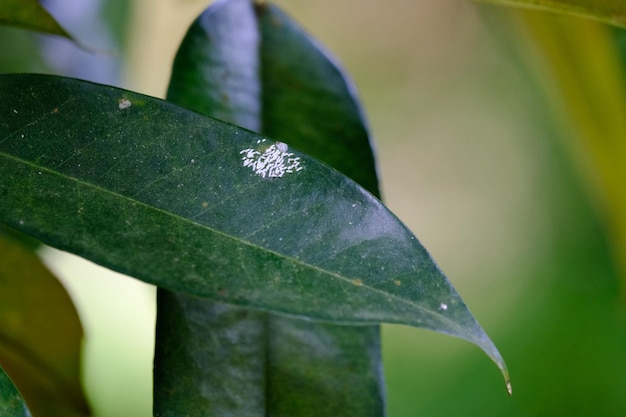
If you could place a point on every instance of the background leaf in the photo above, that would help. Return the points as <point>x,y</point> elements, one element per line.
<point>210,358</point>
<point>607,11</point>
<point>218,363</point>
<point>29,14</point>
<point>196,220</point>
<point>11,402</point>
<point>299,367</point>
<point>581,66</point>
<point>40,334</point>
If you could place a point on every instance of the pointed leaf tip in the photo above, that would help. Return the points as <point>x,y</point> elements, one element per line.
<point>499,361</point>
<point>487,345</point>
<point>505,374</point>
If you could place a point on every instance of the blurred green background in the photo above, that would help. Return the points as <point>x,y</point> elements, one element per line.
<point>478,158</point>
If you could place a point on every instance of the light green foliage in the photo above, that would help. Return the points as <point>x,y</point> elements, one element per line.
<point>29,14</point>
<point>606,11</point>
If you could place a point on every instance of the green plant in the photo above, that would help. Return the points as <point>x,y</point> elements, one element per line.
<point>188,203</point>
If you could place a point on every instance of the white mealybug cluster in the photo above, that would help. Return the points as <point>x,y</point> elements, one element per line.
<point>274,162</point>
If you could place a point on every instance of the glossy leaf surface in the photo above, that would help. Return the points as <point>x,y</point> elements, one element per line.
<point>160,193</point>
<point>300,367</point>
<point>11,402</point>
<point>607,11</point>
<point>40,334</point>
<point>29,14</point>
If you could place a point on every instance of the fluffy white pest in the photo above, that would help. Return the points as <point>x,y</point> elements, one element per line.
<point>274,162</point>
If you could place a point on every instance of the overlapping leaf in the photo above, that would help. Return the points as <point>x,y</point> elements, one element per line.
<point>209,355</point>
<point>163,194</point>
<point>230,361</point>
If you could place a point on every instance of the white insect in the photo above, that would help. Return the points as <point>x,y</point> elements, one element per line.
<point>281,146</point>
<point>124,103</point>
<point>274,162</point>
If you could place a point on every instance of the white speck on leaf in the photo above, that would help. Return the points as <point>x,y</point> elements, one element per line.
<point>274,162</point>
<point>443,306</point>
<point>124,103</point>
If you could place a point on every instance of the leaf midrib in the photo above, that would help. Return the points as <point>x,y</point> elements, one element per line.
<point>220,233</point>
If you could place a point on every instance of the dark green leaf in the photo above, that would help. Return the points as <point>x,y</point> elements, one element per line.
<point>607,11</point>
<point>11,402</point>
<point>301,367</point>
<point>29,14</point>
<point>160,193</point>
<point>210,358</point>
<point>40,334</point>
<point>318,370</point>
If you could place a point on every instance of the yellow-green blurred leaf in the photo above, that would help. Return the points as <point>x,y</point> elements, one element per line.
<point>606,11</point>
<point>29,14</point>
<point>581,65</point>
<point>40,334</point>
